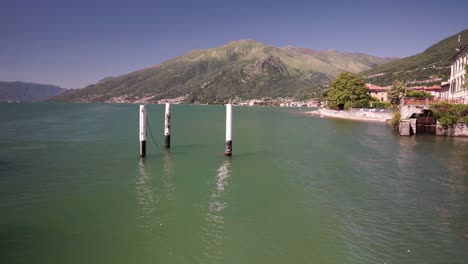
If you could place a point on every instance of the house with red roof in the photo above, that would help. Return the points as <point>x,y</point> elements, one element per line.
<point>378,92</point>
<point>435,90</point>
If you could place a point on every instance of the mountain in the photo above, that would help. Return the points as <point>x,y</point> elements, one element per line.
<point>428,67</point>
<point>243,69</point>
<point>28,92</point>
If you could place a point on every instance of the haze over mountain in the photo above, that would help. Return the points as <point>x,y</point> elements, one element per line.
<point>28,92</point>
<point>431,66</point>
<point>243,69</point>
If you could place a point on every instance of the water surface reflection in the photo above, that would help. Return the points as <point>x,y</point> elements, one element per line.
<point>145,197</point>
<point>168,185</point>
<point>214,227</point>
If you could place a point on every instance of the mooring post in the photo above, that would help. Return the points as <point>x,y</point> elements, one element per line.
<point>142,130</point>
<point>228,150</point>
<point>167,126</point>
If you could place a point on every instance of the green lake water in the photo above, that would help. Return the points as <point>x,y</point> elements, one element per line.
<point>298,189</point>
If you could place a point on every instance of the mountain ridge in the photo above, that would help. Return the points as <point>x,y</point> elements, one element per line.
<point>244,69</point>
<point>28,91</point>
<point>430,66</point>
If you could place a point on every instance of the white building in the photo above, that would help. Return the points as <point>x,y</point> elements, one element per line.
<point>457,76</point>
<point>445,91</point>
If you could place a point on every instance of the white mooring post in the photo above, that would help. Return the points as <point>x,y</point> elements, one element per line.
<point>228,150</point>
<point>142,130</point>
<point>167,126</point>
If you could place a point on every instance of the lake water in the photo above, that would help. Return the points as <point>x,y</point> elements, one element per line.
<point>298,189</point>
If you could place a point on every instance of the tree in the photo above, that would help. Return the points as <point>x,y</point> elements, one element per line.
<point>418,94</point>
<point>396,92</point>
<point>346,88</point>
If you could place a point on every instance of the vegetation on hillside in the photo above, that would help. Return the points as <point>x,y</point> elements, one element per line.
<point>432,65</point>
<point>450,114</point>
<point>347,90</point>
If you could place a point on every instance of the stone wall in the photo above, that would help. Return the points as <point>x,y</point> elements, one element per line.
<point>404,128</point>
<point>459,130</point>
<point>407,127</point>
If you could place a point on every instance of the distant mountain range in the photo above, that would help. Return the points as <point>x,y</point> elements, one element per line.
<point>243,69</point>
<point>247,69</point>
<point>428,67</point>
<point>28,92</point>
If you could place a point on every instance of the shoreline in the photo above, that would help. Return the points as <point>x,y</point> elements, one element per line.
<point>339,115</point>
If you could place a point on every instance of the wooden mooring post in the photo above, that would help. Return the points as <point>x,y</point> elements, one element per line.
<point>142,130</point>
<point>167,126</point>
<point>228,150</point>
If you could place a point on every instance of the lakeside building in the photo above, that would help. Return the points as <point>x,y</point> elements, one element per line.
<point>378,92</point>
<point>457,76</point>
<point>445,90</point>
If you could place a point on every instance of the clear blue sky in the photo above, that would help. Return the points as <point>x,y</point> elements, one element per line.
<point>76,43</point>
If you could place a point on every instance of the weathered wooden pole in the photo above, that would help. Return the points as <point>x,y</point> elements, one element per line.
<point>167,126</point>
<point>142,130</point>
<point>228,150</point>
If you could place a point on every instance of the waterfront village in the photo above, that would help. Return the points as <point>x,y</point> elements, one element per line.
<point>423,109</point>
<point>436,109</point>
<point>417,110</point>
<point>452,90</point>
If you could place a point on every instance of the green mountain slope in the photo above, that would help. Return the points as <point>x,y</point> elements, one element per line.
<point>429,67</point>
<point>242,69</point>
<point>27,92</point>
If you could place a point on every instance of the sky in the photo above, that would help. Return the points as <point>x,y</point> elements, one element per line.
<point>76,43</point>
